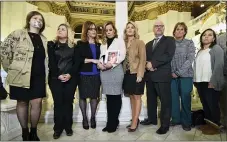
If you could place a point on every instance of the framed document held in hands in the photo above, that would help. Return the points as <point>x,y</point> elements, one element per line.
<point>112,56</point>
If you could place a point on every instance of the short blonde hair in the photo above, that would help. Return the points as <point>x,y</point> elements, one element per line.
<point>136,35</point>
<point>70,35</point>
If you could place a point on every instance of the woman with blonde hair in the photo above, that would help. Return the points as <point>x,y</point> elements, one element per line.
<point>134,68</point>
<point>112,74</point>
<point>63,78</point>
<point>88,53</point>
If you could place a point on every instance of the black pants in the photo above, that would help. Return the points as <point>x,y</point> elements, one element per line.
<point>210,100</point>
<point>63,96</point>
<point>163,91</point>
<point>114,103</point>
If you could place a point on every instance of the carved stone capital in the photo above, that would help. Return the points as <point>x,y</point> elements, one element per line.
<point>162,9</point>
<point>57,9</point>
<point>138,16</point>
<point>182,6</point>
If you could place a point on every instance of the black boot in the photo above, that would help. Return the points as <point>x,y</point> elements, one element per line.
<point>93,123</point>
<point>33,135</point>
<point>25,134</point>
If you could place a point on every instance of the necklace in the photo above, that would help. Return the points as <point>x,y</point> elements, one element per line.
<point>129,43</point>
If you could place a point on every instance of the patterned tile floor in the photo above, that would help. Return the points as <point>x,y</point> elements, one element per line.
<point>143,133</point>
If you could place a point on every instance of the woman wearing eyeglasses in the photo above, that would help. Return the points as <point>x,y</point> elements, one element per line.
<point>87,53</point>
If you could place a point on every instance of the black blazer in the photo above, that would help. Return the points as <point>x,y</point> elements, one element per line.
<point>61,60</point>
<point>161,58</point>
<point>82,52</point>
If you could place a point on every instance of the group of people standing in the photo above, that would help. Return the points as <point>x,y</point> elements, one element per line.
<point>164,64</point>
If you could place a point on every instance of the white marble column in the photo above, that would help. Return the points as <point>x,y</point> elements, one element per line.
<point>121,16</point>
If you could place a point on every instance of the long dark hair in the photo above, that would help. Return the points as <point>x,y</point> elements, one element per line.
<point>215,38</point>
<point>28,18</point>
<point>85,28</point>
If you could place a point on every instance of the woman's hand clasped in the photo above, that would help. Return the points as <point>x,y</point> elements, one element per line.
<point>101,66</point>
<point>64,77</point>
<point>210,85</point>
<point>138,79</point>
<point>108,65</point>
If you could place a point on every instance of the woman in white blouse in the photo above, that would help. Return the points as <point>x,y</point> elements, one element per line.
<point>112,74</point>
<point>208,75</point>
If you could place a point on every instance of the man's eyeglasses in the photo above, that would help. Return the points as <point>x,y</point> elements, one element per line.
<point>157,26</point>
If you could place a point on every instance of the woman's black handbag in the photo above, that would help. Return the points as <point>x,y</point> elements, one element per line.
<point>198,118</point>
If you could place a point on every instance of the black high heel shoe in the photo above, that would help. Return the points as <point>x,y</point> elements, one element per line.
<point>56,135</point>
<point>105,129</point>
<point>85,124</point>
<point>128,126</point>
<point>133,130</point>
<point>93,123</point>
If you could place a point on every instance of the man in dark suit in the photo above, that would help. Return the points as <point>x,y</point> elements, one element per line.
<point>159,52</point>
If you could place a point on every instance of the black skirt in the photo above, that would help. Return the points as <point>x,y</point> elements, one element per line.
<point>89,86</point>
<point>131,87</point>
<point>37,90</point>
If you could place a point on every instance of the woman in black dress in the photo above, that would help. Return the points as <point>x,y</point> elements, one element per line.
<point>62,79</point>
<point>134,68</point>
<point>88,52</point>
<point>23,58</point>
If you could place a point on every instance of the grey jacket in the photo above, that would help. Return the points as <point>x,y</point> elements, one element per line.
<point>221,40</point>
<point>217,63</point>
<point>184,55</point>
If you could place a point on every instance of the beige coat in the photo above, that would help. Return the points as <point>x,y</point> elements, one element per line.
<point>137,57</point>
<point>16,55</point>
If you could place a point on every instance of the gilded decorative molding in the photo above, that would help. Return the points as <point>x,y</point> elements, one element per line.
<point>92,4</point>
<point>57,9</point>
<point>212,10</point>
<point>60,10</point>
<point>89,9</point>
<point>173,5</point>
<point>130,8</point>
<point>138,16</point>
<point>182,6</point>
